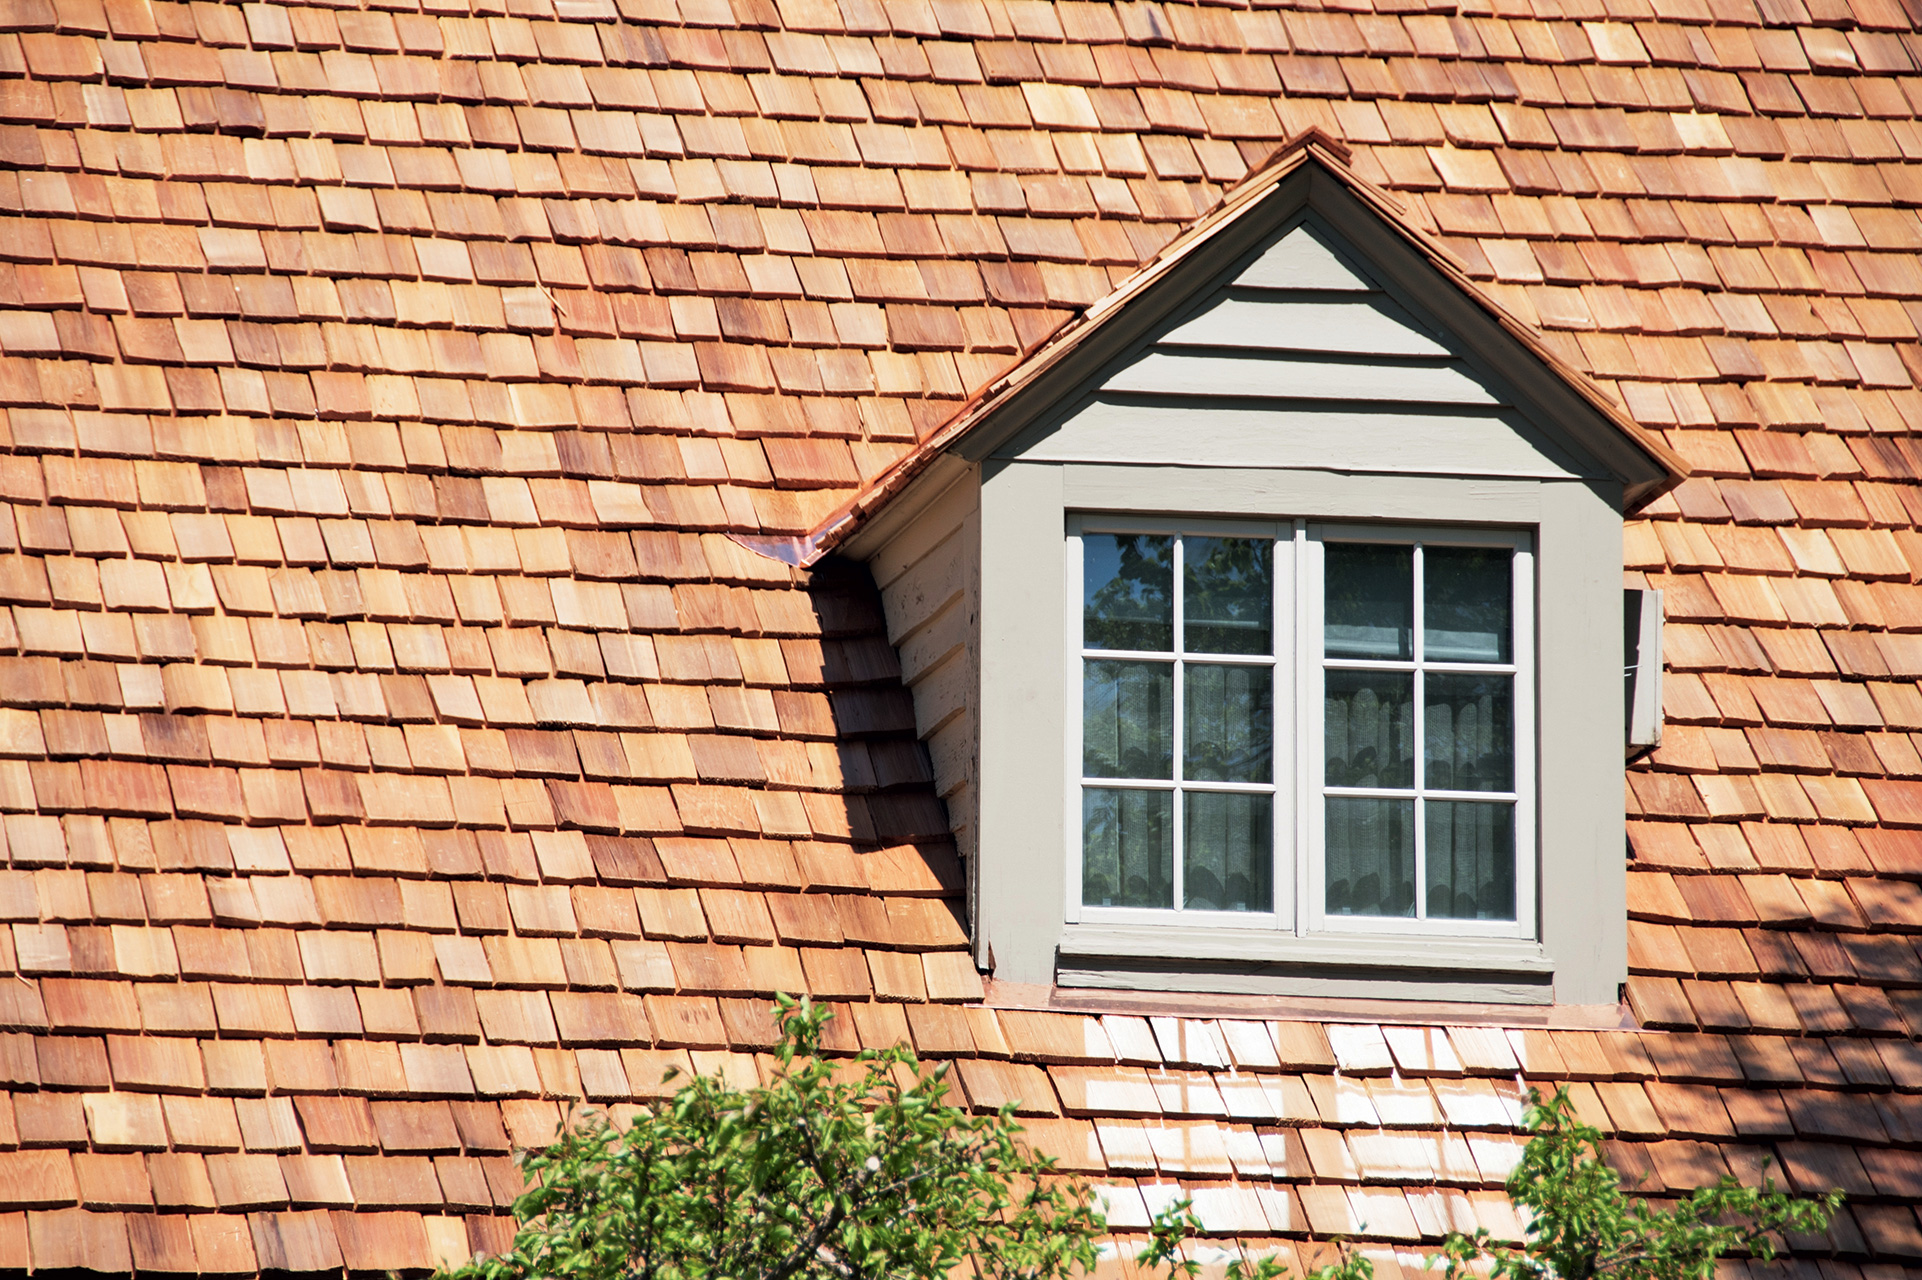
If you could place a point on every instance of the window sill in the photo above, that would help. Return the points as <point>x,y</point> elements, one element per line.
<point>1255,961</point>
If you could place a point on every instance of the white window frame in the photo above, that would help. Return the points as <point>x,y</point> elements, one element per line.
<point>1299,814</point>
<point>1314,666</point>
<point>1285,536</point>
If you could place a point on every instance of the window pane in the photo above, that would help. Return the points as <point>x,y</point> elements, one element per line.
<point>1230,720</point>
<point>1127,848</point>
<point>1369,719</point>
<point>1227,852</point>
<point>1370,601</point>
<point>1128,719</point>
<point>1371,857</point>
<point>1471,860</point>
<point>1229,600</point>
<point>1468,597</point>
<point>1469,732</point>
<point>1128,591</point>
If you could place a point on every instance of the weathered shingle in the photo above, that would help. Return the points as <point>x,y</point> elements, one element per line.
<point>394,744</point>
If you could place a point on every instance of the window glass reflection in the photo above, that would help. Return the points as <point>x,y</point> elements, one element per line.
<point>1468,598</point>
<point>1228,595</point>
<point>1127,848</point>
<point>1369,601</point>
<point>1368,718</point>
<point>1230,717</point>
<point>1127,719</point>
<point>1228,851</point>
<point>1128,591</point>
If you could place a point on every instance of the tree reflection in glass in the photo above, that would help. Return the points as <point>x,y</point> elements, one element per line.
<point>1128,592</point>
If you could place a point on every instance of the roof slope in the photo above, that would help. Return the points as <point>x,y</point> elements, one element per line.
<point>395,746</point>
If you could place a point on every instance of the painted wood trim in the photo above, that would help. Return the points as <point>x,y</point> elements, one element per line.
<point>1170,431</point>
<point>1389,255</point>
<point>1265,946</point>
<point>1309,494</point>
<point>1278,377</point>
<point>1642,644</point>
<point>875,537</point>
<point>1280,320</point>
<point>1022,804</point>
<point>1324,982</point>
<point>1538,388</point>
<point>1201,271</point>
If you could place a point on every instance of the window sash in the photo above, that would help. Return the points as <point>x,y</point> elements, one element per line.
<point>1177,660</point>
<point>1279,661</point>
<point>1315,666</point>
<point>1298,845</point>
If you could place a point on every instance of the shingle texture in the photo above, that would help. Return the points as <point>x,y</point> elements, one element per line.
<point>394,747</point>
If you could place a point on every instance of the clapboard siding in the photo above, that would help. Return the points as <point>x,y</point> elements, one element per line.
<point>1305,262</point>
<point>1416,439</point>
<point>1300,359</point>
<point>926,587</point>
<point>1256,321</point>
<point>942,693</point>
<point>946,634</point>
<point>1275,376</point>
<point>929,576</point>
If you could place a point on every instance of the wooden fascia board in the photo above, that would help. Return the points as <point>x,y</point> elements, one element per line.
<point>943,472</point>
<point>1562,401</point>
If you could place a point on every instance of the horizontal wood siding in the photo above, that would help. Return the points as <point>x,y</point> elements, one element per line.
<point>1251,320</point>
<point>1301,360</point>
<point>1136,429</point>
<point>929,577</point>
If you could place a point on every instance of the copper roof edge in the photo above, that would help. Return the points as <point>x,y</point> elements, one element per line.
<point>1333,155</point>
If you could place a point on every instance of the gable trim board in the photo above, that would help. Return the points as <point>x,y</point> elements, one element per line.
<point>1334,371</point>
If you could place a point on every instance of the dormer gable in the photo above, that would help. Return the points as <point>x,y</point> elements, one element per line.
<point>1302,373</point>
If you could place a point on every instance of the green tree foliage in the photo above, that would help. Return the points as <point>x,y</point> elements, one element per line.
<point>855,1170</point>
<point>862,1170</point>
<point>1583,1224</point>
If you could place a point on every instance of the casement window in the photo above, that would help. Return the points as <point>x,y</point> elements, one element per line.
<point>1303,727</point>
<point>1181,785</point>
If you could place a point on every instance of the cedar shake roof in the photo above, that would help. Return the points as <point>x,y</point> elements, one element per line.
<point>396,746</point>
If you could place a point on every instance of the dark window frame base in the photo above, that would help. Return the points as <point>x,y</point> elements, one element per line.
<point>1164,1003</point>
<point>1259,962</point>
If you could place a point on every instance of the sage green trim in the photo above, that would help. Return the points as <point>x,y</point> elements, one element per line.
<point>1583,828</point>
<point>1266,946</point>
<point>1308,494</point>
<point>1024,664</point>
<point>1642,658</point>
<point>1517,374</point>
<point>1537,389</point>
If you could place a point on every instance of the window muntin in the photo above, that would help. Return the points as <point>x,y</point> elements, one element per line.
<point>1409,710</point>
